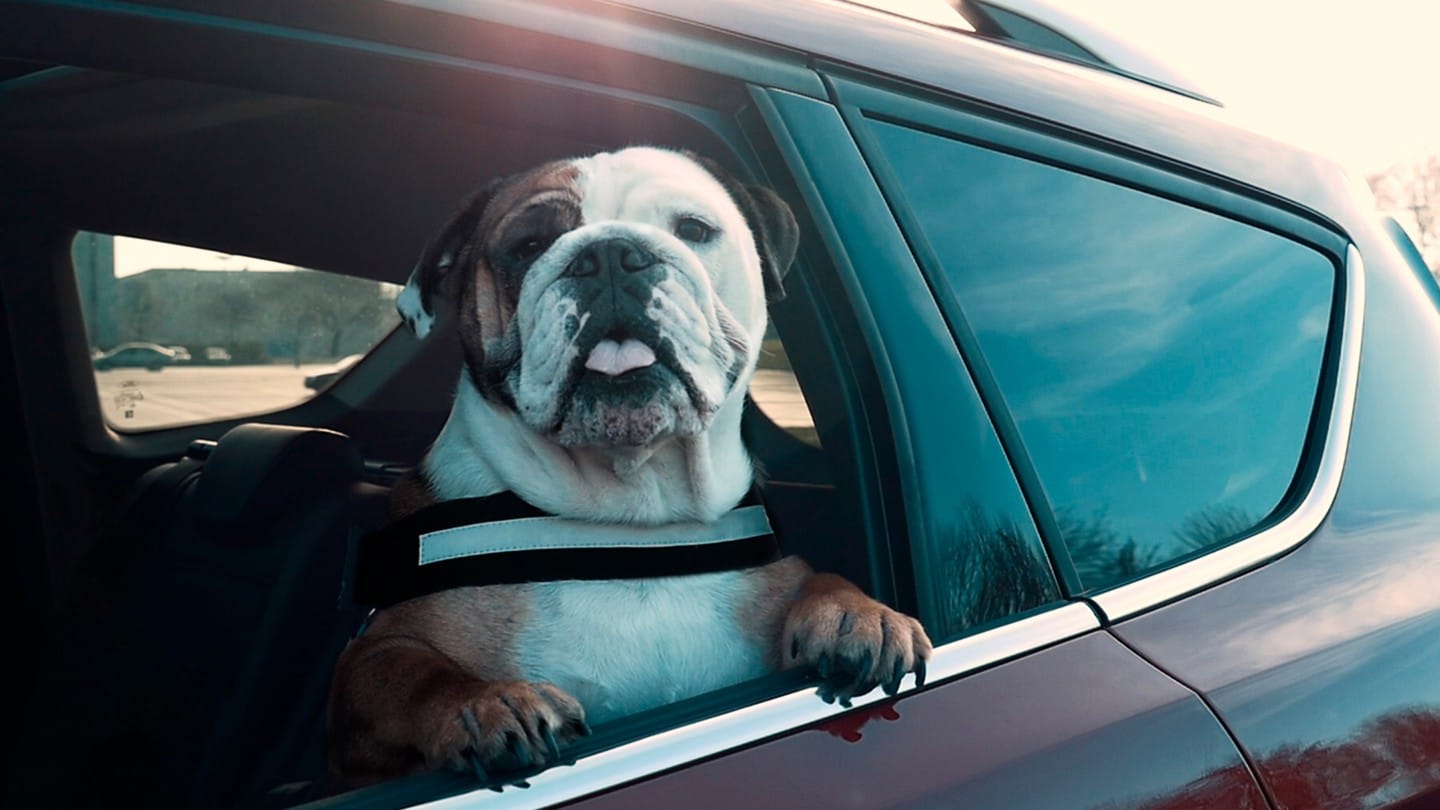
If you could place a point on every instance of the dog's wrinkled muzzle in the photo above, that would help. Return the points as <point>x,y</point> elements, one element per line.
<point>624,343</point>
<point>613,281</point>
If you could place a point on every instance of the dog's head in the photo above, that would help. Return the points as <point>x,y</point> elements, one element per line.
<point>613,300</point>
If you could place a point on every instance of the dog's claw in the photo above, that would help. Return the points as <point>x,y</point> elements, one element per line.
<point>551,743</point>
<point>480,774</point>
<point>518,749</point>
<point>897,673</point>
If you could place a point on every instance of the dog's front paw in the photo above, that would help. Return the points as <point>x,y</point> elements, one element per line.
<point>854,642</point>
<point>504,726</point>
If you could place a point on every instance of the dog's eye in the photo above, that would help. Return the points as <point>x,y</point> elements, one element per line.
<point>527,248</point>
<point>694,230</point>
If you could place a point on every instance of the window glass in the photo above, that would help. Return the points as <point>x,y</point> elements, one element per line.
<point>776,391</point>
<point>180,335</point>
<point>1160,363</point>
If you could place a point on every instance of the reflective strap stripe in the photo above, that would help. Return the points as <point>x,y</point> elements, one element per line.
<point>558,534</point>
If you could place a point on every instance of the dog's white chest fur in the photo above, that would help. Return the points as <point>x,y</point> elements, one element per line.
<point>621,646</point>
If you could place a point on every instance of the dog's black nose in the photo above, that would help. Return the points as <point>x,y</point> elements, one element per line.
<point>611,255</point>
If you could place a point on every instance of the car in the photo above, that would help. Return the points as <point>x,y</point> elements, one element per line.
<point>324,377</point>
<point>182,354</point>
<point>137,354</point>
<point>1132,407</point>
<point>217,354</point>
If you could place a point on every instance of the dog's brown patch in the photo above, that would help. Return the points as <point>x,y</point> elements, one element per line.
<point>544,202</point>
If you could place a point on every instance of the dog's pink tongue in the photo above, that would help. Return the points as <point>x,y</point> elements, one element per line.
<point>609,357</point>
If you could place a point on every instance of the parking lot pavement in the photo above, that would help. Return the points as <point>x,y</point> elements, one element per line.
<point>137,399</point>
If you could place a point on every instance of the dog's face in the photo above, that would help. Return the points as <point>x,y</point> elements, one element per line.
<point>610,301</point>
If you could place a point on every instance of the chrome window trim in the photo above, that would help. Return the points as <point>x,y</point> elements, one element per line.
<point>1172,583</point>
<point>733,730</point>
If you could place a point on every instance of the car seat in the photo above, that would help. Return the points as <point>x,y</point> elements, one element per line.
<point>193,664</point>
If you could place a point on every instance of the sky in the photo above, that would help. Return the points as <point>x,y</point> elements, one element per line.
<point>1359,81</point>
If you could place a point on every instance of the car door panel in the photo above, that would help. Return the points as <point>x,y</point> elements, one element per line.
<point>1085,723</point>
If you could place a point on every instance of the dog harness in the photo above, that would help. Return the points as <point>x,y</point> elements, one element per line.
<point>501,539</point>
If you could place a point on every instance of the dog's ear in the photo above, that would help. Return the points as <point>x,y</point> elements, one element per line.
<point>454,246</point>
<point>777,235</point>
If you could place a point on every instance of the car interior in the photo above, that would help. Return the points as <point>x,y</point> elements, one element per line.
<point>184,584</point>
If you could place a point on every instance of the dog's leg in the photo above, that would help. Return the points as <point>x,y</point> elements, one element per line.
<point>400,706</point>
<point>854,642</point>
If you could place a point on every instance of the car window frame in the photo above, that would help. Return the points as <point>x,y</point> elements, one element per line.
<point>862,97</point>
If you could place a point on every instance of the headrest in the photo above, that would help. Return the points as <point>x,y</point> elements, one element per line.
<point>256,472</point>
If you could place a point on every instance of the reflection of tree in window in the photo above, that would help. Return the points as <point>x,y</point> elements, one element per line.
<point>991,569</point>
<point>1213,524</point>
<point>1102,557</point>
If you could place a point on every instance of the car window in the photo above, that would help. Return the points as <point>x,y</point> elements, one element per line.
<point>776,391</point>
<point>181,335</point>
<point>1160,363</point>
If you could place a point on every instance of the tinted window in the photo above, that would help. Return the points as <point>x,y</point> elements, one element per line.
<point>1159,362</point>
<point>181,335</point>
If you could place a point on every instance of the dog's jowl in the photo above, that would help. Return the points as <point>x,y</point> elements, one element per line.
<point>581,541</point>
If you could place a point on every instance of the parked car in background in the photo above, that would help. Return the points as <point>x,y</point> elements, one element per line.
<point>137,354</point>
<point>182,354</point>
<point>217,354</point>
<point>1082,379</point>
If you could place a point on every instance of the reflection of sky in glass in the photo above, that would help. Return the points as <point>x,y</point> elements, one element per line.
<point>1159,361</point>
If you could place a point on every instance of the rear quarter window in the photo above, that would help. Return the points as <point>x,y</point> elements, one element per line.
<point>1159,363</point>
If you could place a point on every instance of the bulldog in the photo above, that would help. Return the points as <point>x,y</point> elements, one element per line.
<point>610,311</point>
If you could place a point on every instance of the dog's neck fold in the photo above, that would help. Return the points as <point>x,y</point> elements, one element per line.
<point>485,448</point>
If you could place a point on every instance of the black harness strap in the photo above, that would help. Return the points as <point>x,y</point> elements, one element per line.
<point>391,564</point>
